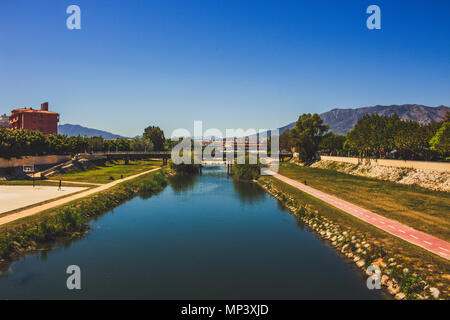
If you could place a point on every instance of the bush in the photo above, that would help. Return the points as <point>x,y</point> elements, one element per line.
<point>247,172</point>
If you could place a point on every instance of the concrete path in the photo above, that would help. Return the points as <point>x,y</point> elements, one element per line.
<point>57,203</point>
<point>426,241</point>
<point>75,182</point>
<point>16,197</point>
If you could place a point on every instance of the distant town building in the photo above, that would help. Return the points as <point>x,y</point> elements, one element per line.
<point>38,120</point>
<point>4,121</point>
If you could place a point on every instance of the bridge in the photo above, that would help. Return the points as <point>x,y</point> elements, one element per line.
<point>165,155</point>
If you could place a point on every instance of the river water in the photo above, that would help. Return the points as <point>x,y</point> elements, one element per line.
<point>203,237</point>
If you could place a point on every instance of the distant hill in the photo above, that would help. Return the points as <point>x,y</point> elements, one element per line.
<point>342,121</point>
<point>77,130</point>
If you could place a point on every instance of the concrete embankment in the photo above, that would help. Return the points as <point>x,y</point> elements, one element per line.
<point>438,179</point>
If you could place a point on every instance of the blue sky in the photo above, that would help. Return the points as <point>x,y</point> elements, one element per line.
<point>247,63</point>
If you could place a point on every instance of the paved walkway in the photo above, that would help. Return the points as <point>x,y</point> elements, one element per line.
<point>16,197</point>
<point>57,203</point>
<point>76,182</point>
<point>426,241</point>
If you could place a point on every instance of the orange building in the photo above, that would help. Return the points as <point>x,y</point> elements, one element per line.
<point>38,120</point>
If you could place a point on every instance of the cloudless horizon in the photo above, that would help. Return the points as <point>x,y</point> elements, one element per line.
<point>232,64</point>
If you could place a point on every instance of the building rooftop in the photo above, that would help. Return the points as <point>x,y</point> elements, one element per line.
<point>21,110</point>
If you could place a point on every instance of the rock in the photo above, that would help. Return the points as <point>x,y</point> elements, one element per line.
<point>356,258</point>
<point>361,263</point>
<point>400,296</point>
<point>405,270</point>
<point>435,292</point>
<point>384,279</point>
<point>392,289</point>
<point>366,245</point>
<point>357,245</point>
<point>391,260</point>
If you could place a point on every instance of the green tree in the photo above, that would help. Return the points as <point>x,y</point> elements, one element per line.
<point>96,144</point>
<point>332,142</point>
<point>141,144</point>
<point>307,135</point>
<point>447,116</point>
<point>285,140</point>
<point>156,136</point>
<point>441,141</point>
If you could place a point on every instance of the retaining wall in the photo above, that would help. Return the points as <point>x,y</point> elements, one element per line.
<point>419,165</point>
<point>30,160</point>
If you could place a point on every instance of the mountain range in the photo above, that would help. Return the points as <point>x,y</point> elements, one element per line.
<point>77,130</point>
<point>342,121</point>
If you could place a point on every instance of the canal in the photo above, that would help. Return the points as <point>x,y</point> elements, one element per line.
<point>203,237</point>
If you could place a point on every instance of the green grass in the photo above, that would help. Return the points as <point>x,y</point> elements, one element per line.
<point>422,209</point>
<point>102,174</point>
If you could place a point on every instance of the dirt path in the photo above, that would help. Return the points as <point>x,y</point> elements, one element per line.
<point>56,203</point>
<point>418,238</point>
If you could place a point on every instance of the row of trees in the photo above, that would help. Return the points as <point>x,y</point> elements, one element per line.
<point>14,143</point>
<point>373,136</point>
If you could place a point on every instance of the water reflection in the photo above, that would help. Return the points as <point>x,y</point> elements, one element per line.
<point>183,183</point>
<point>248,192</point>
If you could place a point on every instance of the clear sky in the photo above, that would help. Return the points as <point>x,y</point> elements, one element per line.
<point>246,63</point>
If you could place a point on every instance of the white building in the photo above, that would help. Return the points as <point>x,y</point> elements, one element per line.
<point>4,121</point>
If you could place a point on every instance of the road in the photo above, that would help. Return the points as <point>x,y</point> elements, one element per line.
<point>35,210</point>
<point>418,238</point>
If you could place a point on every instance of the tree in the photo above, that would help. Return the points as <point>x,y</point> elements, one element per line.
<point>441,141</point>
<point>96,144</point>
<point>285,140</point>
<point>332,142</point>
<point>156,136</point>
<point>307,135</point>
<point>142,144</point>
<point>373,135</point>
<point>447,116</point>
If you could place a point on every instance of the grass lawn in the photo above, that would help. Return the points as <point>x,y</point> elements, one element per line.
<point>422,209</point>
<point>102,174</point>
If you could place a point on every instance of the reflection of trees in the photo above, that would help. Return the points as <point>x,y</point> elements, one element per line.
<point>183,183</point>
<point>248,192</point>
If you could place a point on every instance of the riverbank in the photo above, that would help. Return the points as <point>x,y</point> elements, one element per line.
<point>433,180</point>
<point>407,272</point>
<point>71,220</point>
<point>419,208</point>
